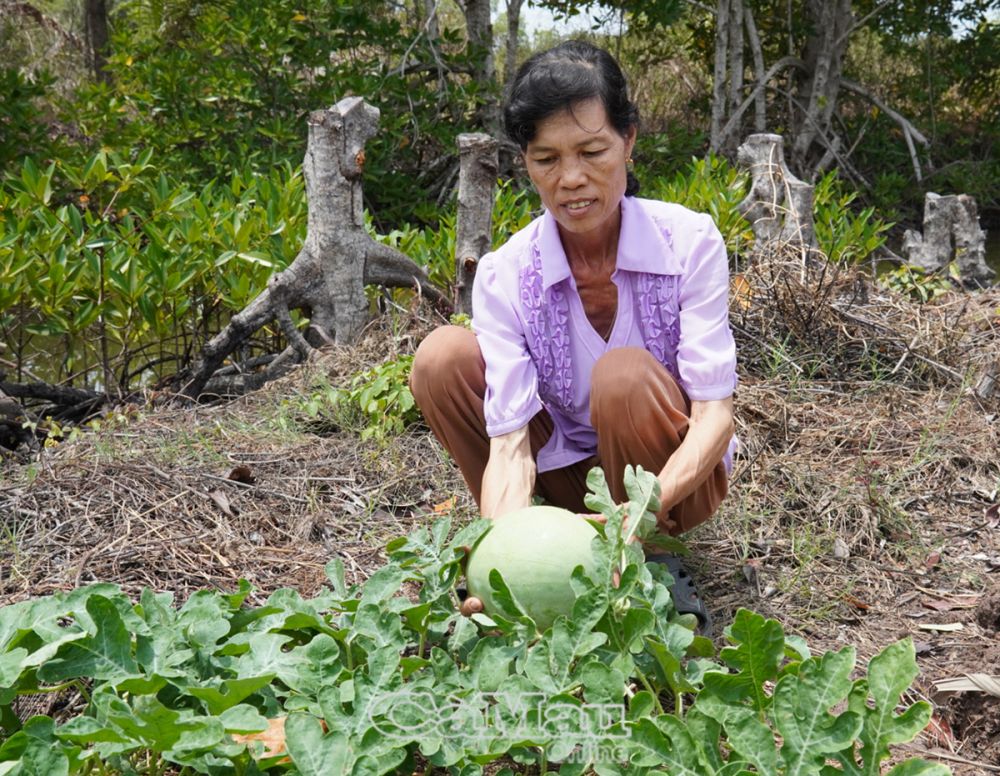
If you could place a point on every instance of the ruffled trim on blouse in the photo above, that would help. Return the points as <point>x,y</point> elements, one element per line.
<point>547,317</point>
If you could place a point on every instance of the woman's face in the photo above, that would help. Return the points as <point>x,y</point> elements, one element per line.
<point>577,163</point>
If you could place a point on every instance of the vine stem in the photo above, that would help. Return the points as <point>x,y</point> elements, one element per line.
<point>640,675</point>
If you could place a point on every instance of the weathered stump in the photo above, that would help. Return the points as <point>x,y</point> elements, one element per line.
<point>779,206</point>
<point>337,260</point>
<point>476,182</point>
<point>951,234</point>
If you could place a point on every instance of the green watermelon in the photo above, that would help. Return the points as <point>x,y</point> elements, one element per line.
<point>535,549</point>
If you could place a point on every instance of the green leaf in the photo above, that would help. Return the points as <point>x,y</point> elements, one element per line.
<point>230,692</point>
<point>335,574</point>
<point>41,753</point>
<point>601,683</point>
<point>314,753</point>
<point>745,732</point>
<point>643,492</point>
<point>490,664</point>
<point>87,730</point>
<point>243,719</point>
<point>801,712</point>
<point>599,497</point>
<point>104,654</point>
<point>890,674</point>
<point>668,743</point>
<point>916,767</point>
<point>757,654</point>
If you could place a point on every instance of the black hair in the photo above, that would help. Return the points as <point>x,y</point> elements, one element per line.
<point>557,79</point>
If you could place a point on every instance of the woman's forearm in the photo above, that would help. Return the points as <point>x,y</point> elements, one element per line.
<point>709,431</point>
<point>509,478</point>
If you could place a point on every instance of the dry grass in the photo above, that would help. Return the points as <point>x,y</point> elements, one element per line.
<point>863,505</point>
<point>158,501</point>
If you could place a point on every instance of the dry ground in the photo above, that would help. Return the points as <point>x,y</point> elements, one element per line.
<point>863,508</point>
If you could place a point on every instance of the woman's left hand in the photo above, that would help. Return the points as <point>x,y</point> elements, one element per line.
<point>598,518</point>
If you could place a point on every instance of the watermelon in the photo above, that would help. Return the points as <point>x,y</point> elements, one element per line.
<point>535,549</point>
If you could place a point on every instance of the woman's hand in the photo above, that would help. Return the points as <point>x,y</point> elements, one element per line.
<point>598,518</point>
<point>710,428</point>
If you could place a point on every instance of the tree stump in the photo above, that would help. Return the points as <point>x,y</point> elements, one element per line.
<point>779,206</point>
<point>476,181</point>
<point>328,277</point>
<point>951,234</point>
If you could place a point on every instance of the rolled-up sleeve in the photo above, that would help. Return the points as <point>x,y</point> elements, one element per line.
<point>511,378</point>
<point>706,353</point>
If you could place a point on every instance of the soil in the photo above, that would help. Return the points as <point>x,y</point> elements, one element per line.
<point>975,722</point>
<point>988,613</point>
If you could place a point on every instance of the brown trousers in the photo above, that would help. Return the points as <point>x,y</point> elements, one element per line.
<point>638,410</point>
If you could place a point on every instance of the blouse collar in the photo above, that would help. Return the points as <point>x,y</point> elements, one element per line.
<point>644,245</point>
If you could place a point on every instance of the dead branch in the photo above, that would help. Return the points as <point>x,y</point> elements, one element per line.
<point>910,132</point>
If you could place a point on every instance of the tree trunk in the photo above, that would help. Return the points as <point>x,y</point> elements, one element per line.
<point>476,182</point>
<point>779,206</point>
<point>480,34</point>
<point>831,22</point>
<point>951,234</point>
<point>337,260</point>
<point>96,21</point>
<point>760,98</point>
<point>719,73</point>
<point>513,31</point>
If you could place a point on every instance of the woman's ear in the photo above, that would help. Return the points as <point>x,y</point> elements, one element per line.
<point>630,137</point>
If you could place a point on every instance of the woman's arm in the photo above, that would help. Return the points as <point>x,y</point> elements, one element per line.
<point>509,478</point>
<point>709,431</point>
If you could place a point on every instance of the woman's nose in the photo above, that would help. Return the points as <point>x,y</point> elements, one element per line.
<point>572,174</point>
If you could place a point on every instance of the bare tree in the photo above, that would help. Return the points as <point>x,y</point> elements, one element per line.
<point>337,260</point>
<point>476,183</point>
<point>479,30</point>
<point>815,87</point>
<point>513,32</point>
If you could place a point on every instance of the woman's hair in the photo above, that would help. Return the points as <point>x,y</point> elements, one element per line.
<point>557,79</point>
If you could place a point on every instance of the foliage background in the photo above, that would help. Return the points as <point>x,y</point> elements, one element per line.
<point>143,202</point>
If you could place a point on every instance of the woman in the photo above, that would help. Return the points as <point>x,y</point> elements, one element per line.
<point>601,330</point>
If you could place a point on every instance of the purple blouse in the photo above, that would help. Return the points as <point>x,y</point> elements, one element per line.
<point>539,347</point>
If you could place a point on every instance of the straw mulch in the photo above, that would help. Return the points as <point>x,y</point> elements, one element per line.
<point>863,506</point>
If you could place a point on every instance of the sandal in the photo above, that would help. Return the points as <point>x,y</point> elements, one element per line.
<point>683,592</point>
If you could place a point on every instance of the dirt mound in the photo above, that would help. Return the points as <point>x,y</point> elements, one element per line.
<point>988,612</point>
<point>975,721</point>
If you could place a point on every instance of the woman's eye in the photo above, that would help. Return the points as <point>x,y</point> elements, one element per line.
<point>545,160</point>
<point>591,154</point>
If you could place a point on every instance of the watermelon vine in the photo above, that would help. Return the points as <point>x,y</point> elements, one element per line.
<point>366,680</point>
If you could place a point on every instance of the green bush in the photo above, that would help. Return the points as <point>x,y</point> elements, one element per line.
<point>710,186</point>
<point>129,267</point>
<point>223,86</point>
<point>846,236</point>
<point>22,130</point>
